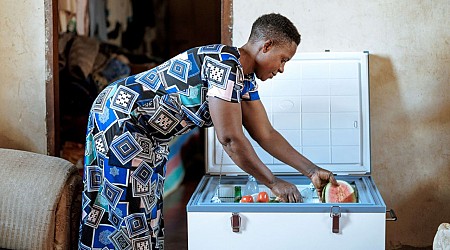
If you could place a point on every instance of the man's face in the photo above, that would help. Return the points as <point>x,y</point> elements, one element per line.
<point>272,58</point>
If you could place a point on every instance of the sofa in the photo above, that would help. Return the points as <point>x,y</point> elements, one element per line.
<point>40,201</point>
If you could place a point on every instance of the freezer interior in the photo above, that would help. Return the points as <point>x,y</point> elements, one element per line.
<point>212,196</point>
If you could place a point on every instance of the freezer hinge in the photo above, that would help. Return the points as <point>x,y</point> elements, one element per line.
<point>353,173</point>
<point>335,214</point>
<point>235,222</point>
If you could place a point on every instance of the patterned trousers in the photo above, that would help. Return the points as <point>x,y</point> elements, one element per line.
<point>123,205</point>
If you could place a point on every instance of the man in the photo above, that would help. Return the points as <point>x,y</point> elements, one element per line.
<point>133,119</point>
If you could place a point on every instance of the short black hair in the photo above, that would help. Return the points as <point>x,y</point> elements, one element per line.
<point>274,26</point>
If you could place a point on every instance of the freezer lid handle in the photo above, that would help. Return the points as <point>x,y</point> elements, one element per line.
<point>235,222</point>
<point>335,213</point>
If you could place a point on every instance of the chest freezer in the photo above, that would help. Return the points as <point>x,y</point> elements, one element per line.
<point>320,104</point>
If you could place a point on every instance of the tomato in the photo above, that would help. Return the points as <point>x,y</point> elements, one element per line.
<point>263,197</point>
<point>247,199</point>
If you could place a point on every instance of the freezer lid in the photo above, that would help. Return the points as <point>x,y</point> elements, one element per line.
<point>320,104</point>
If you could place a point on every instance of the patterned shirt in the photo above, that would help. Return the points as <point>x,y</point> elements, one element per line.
<point>169,99</point>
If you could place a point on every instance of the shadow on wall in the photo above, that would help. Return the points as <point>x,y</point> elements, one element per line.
<point>401,150</point>
<point>15,142</point>
<point>383,96</point>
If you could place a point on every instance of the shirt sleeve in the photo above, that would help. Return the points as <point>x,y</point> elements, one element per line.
<point>250,91</point>
<point>226,80</point>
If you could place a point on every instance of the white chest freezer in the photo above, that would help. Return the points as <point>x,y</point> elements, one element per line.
<point>320,104</point>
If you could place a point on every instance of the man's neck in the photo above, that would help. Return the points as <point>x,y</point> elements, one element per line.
<point>247,57</point>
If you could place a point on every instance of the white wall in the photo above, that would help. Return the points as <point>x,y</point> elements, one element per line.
<point>408,41</point>
<point>22,76</point>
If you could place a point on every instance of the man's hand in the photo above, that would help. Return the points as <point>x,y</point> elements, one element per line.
<point>285,191</point>
<point>320,178</point>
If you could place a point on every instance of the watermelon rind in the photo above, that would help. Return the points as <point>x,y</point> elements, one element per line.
<point>345,193</point>
<point>323,193</point>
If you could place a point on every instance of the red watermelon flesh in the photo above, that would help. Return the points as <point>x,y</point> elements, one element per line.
<point>344,193</point>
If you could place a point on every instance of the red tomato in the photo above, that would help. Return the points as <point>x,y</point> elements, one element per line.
<point>263,197</point>
<point>247,199</point>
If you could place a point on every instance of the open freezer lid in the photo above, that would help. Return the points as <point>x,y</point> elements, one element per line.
<point>320,104</point>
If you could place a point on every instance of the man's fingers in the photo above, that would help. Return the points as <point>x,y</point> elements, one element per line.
<point>291,198</point>
<point>297,198</point>
<point>300,199</point>
<point>333,180</point>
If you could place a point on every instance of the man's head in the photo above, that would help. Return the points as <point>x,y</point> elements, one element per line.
<point>274,40</point>
<point>276,27</point>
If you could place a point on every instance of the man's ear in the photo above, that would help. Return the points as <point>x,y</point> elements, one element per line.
<point>268,45</point>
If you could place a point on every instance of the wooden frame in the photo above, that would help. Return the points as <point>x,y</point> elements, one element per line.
<point>52,77</point>
<point>52,70</point>
<point>226,30</point>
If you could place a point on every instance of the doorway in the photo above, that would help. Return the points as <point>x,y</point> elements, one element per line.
<point>166,29</point>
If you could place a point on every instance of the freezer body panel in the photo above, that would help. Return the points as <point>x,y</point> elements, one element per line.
<point>307,225</point>
<point>212,230</point>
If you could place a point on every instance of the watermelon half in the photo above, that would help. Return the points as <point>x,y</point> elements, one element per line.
<point>344,193</point>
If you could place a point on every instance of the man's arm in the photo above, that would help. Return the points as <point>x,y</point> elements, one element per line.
<point>257,124</point>
<point>227,119</point>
